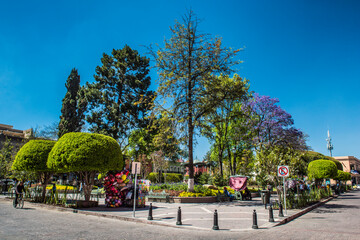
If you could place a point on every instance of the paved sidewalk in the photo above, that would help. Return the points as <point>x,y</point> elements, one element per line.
<point>232,216</point>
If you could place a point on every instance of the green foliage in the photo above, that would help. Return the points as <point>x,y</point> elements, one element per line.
<point>33,156</point>
<point>204,178</point>
<point>6,159</point>
<point>172,186</point>
<point>170,177</point>
<point>73,106</point>
<point>153,177</point>
<point>320,169</point>
<point>342,176</point>
<point>85,152</point>
<point>338,164</point>
<point>187,66</point>
<point>219,180</point>
<point>119,99</point>
<point>173,177</point>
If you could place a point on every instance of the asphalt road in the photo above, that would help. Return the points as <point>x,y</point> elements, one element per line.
<point>338,219</point>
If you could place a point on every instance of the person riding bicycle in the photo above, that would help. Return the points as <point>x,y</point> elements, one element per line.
<point>19,190</point>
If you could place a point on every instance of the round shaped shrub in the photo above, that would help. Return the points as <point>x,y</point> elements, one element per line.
<point>320,169</point>
<point>76,152</point>
<point>33,156</point>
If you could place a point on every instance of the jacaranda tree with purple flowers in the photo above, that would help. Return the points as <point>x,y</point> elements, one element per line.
<point>276,141</point>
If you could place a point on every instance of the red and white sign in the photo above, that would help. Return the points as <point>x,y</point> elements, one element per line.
<point>283,171</point>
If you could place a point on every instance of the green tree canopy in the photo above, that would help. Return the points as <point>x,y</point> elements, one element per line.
<point>73,106</point>
<point>119,99</point>
<point>342,176</point>
<point>33,157</point>
<point>75,152</point>
<point>309,156</point>
<point>188,67</point>
<point>320,169</point>
<point>87,154</point>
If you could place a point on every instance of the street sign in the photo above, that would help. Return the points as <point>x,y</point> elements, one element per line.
<point>135,168</point>
<point>283,171</point>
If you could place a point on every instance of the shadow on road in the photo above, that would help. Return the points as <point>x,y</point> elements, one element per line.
<point>28,208</point>
<point>331,206</point>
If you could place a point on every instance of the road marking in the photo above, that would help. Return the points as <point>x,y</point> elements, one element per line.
<point>206,210</point>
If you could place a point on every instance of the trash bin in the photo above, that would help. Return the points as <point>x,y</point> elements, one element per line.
<point>265,196</point>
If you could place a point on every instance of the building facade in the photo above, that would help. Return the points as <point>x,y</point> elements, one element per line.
<point>352,165</point>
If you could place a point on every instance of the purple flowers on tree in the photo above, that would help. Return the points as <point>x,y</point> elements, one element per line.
<point>271,124</point>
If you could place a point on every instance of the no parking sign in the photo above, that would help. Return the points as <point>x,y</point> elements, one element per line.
<point>283,171</point>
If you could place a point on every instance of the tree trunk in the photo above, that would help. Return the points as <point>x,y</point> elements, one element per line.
<point>89,182</point>
<point>234,163</point>
<point>44,178</point>
<point>191,161</point>
<point>229,157</point>
<point>221,162</point>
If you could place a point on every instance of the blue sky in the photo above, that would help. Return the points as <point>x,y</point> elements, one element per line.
<point>305,53</point>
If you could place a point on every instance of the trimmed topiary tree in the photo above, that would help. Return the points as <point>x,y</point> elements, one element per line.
<point>87,154</point>
<point>33,157</point>
<point>320,169</point>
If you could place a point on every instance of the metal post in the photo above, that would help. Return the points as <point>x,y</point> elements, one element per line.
<point>150,217</point>
<point>280,210</point>
<point>284,195</point>
<point>178,222</point>
<point>254,226</point>
<point>135,190</point>
<point>271,214</point>
<point>216,225</point>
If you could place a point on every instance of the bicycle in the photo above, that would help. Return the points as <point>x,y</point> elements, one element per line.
<point>20,202</point>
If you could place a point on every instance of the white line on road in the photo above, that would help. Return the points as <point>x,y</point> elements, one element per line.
<point>206,210</point>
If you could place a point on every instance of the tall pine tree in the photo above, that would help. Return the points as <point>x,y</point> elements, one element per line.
<point>74,105</point>
<point>119,100</point>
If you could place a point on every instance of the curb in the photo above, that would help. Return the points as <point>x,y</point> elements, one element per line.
<point>304,211</point>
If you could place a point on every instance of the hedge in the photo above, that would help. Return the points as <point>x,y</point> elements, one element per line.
<point>33,156</point>
<point>170,177</point>
<point>343,176</point>
<point>320,169</point>
<point>85,152</point>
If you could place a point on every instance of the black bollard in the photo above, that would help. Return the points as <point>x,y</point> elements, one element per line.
<point>271,214</point>
<point>280,210</point>
<point>216,225</point>
<point>178,222</point>
<point>150,217</point>
<point>254,226</point>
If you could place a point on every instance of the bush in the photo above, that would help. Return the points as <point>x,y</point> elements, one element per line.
<point>320,169</point>
<point>33,156</point>
<point>173,186</point>
<point>205,178</point>
<point>85,152</point>
<point>219,181</point>
<point>342,176</point>
<point>170,177</point>
<point>173,177</point>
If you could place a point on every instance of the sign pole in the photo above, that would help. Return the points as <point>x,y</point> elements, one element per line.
<point>283,171</point>
<point>284,196</point>
<point>135,190</point>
